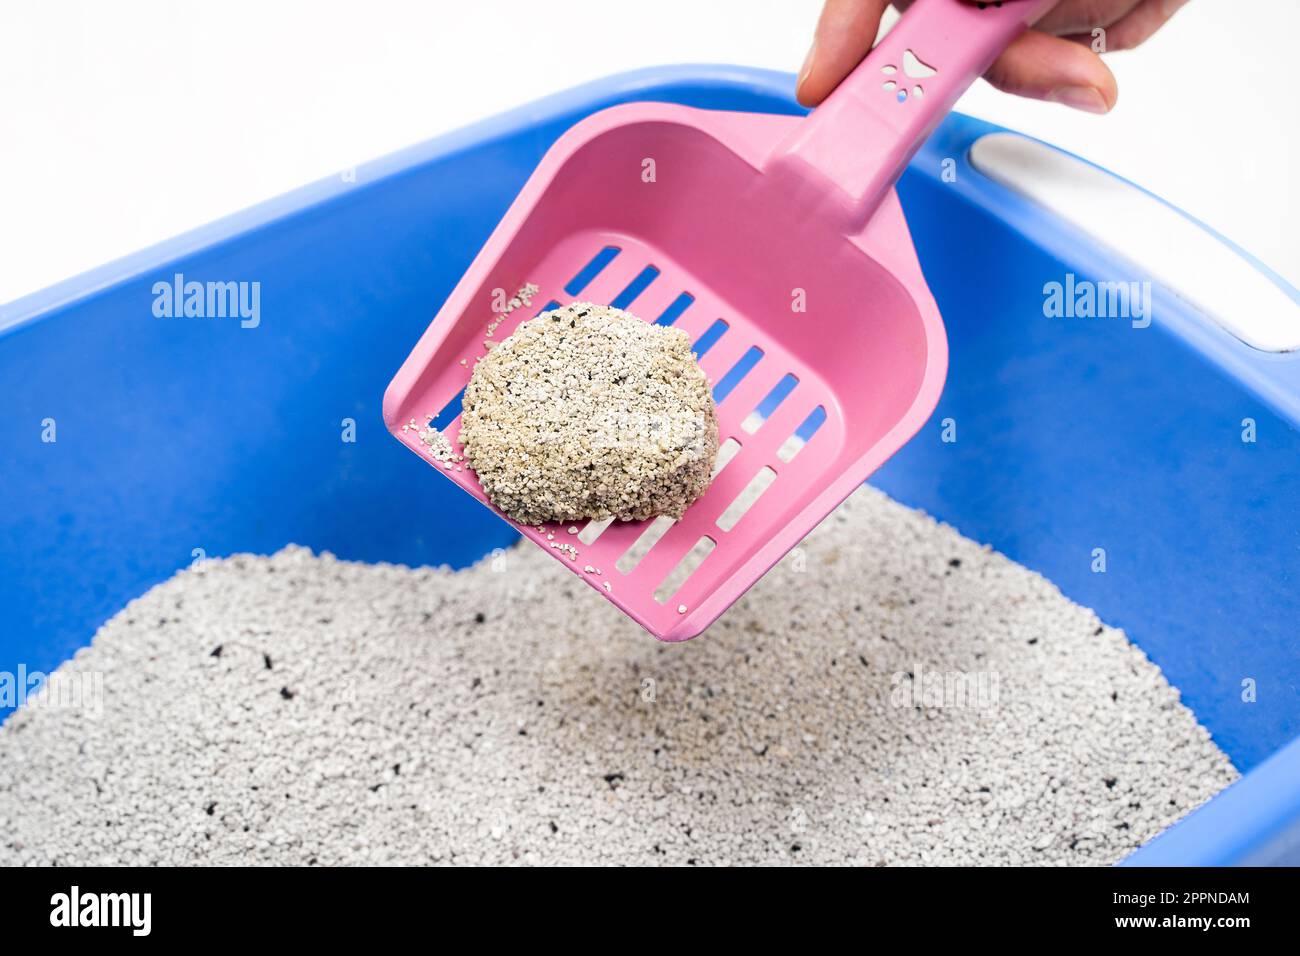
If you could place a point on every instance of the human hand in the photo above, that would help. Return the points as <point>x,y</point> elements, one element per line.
<point>1055,60</point>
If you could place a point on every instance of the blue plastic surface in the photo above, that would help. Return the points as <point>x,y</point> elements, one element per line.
<point>183,433</point>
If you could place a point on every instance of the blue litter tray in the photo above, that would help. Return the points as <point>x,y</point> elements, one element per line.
<point>183,436</point>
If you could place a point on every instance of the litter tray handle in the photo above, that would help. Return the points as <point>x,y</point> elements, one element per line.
<point>861,138</point>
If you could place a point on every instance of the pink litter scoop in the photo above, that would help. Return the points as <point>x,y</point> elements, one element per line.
<point>778,244</point>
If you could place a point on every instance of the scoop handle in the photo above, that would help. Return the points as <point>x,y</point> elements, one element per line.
<point>855,145</point>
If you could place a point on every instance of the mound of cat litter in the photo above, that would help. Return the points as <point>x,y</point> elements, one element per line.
<point>589,412</point>
<point>891,693</point>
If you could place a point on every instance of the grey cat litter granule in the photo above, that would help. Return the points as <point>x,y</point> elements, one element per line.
<point>891,693</point>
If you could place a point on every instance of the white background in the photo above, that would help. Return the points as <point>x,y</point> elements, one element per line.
<point>123,123</point>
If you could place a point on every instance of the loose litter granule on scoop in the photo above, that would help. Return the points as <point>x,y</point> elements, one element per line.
<point>589,412</point>
<point>891,693</point>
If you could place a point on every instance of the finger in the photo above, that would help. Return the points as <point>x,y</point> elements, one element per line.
<point>1140,23</point>
<point>1083,16</point>
<point>1052,68</point>
<point>844,35</point>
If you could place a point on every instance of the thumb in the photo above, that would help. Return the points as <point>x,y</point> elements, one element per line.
<point>845,32</point>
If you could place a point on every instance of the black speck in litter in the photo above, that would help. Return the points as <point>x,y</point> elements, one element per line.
<point>216,651</point>
<point>286,693</point>
<point>267,659</point>
<point>479,618</point>
<point>954,563</point>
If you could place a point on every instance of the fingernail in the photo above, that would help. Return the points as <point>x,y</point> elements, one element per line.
<point>807,66</point>
<point>1084,98</point>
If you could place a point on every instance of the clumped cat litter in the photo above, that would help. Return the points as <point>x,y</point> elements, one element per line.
<point>588,412</point>
<point>891,693</point>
